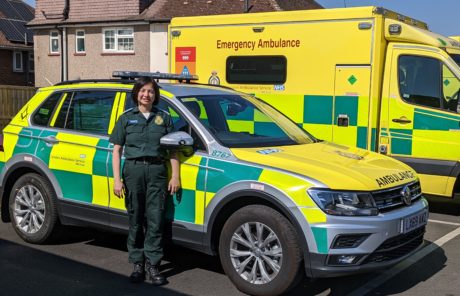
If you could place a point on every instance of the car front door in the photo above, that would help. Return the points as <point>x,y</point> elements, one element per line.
<point>423,118</point>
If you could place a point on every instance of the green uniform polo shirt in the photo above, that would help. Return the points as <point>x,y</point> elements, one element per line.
<point>139,136</point>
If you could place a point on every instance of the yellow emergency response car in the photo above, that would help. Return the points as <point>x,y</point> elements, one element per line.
<point>269,200</point>
<point>365,77</point>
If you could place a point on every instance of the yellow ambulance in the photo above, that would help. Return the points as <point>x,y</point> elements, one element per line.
<point>365,77</point>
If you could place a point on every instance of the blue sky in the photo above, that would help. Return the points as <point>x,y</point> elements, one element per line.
<point>442,16</point>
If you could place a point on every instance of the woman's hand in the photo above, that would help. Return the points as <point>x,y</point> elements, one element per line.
<point>174,185</point>
<point>118,188</point>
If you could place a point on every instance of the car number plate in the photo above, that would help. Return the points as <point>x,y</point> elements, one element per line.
<point>415,221</point>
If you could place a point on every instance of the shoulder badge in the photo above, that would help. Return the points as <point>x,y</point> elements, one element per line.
<point>159,120</point>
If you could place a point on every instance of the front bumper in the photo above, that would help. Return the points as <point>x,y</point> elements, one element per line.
<point>384,246</point>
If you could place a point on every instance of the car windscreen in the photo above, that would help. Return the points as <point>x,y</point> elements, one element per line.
<point>456,58</point>
<point>245,121</point>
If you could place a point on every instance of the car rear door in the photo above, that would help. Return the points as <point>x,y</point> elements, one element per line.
<point>80,152</point>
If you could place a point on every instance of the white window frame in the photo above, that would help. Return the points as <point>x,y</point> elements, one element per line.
<point>58,42</point>
<point>80,37</point>
<point>30,55</point>
<point>116,36</point>
<point>21,59</point>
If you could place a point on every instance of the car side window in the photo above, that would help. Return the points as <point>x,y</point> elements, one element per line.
<point>450,90</point>
<point>43,114</point>
<point>181,124</point>
<point>129,102</point>
<point>87,111</point>
<point>420,81</point>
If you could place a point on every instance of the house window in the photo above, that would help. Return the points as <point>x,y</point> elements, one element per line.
<point>119,40</point>
<point>54,42</point>
<point>80,41</point>
<point>31,62</point>
<point>17,61</point>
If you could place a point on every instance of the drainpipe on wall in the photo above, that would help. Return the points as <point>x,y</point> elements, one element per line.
<point>65,60</point>
<point>246,6</point>
<point>64,49</point>
<point>25,63</point>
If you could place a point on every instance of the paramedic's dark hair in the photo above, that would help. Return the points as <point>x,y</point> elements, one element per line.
<point>141,82</point>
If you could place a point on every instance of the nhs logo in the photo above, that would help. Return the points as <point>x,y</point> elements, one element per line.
<point>279,87</point>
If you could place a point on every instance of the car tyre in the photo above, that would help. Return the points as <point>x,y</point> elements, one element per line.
<point>268,263</point>
<point>33,209</point>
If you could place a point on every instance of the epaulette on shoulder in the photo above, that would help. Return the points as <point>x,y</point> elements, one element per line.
<point>126,111</point>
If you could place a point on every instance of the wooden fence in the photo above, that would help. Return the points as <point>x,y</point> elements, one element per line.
<point>12,98</point>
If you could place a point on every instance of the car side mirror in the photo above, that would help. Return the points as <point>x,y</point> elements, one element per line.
<point>176,140</point>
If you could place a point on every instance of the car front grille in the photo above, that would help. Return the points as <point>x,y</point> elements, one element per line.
<point>396,247</point>
<point>389,199</point>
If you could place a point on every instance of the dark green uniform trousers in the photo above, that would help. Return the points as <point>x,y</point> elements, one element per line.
<point>146,190</point>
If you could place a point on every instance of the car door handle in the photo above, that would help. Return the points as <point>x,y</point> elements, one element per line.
<point>343,120</point>
<point>402,120</point>
<point>51,140</point>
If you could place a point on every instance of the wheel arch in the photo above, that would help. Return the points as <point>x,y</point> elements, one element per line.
<point>17,167</point>
<point>236,200</point>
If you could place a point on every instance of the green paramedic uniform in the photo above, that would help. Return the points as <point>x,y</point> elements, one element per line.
<point>145,178</point>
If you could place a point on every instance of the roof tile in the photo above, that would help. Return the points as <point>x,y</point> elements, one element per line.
<point>167,9</point>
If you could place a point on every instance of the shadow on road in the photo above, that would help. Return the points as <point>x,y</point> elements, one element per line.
<point>27,271</point>
<point>400,283</point>
<point>421,271</point>
<point>446,206</point>
<point>179,259</point>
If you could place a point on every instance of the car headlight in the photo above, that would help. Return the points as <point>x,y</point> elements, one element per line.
<point>344,203</point>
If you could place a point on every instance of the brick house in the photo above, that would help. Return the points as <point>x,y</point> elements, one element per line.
<point>16,43</point>
<point>81,39</point>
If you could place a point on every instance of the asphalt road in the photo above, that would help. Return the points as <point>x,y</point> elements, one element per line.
<point>90,262</point>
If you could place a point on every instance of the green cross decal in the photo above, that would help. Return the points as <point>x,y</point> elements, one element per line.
<point>352,79</point>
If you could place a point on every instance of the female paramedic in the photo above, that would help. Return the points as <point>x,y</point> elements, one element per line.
<point>145,177</point>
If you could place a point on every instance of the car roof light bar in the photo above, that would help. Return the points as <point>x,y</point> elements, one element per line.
<point>154,75</point>
<point>78,81</point>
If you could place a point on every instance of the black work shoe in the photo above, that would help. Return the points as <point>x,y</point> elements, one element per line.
<point>138,274</point>
<point>154,275</point>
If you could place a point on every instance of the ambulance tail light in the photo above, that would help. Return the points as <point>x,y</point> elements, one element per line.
<point>1,143</point>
